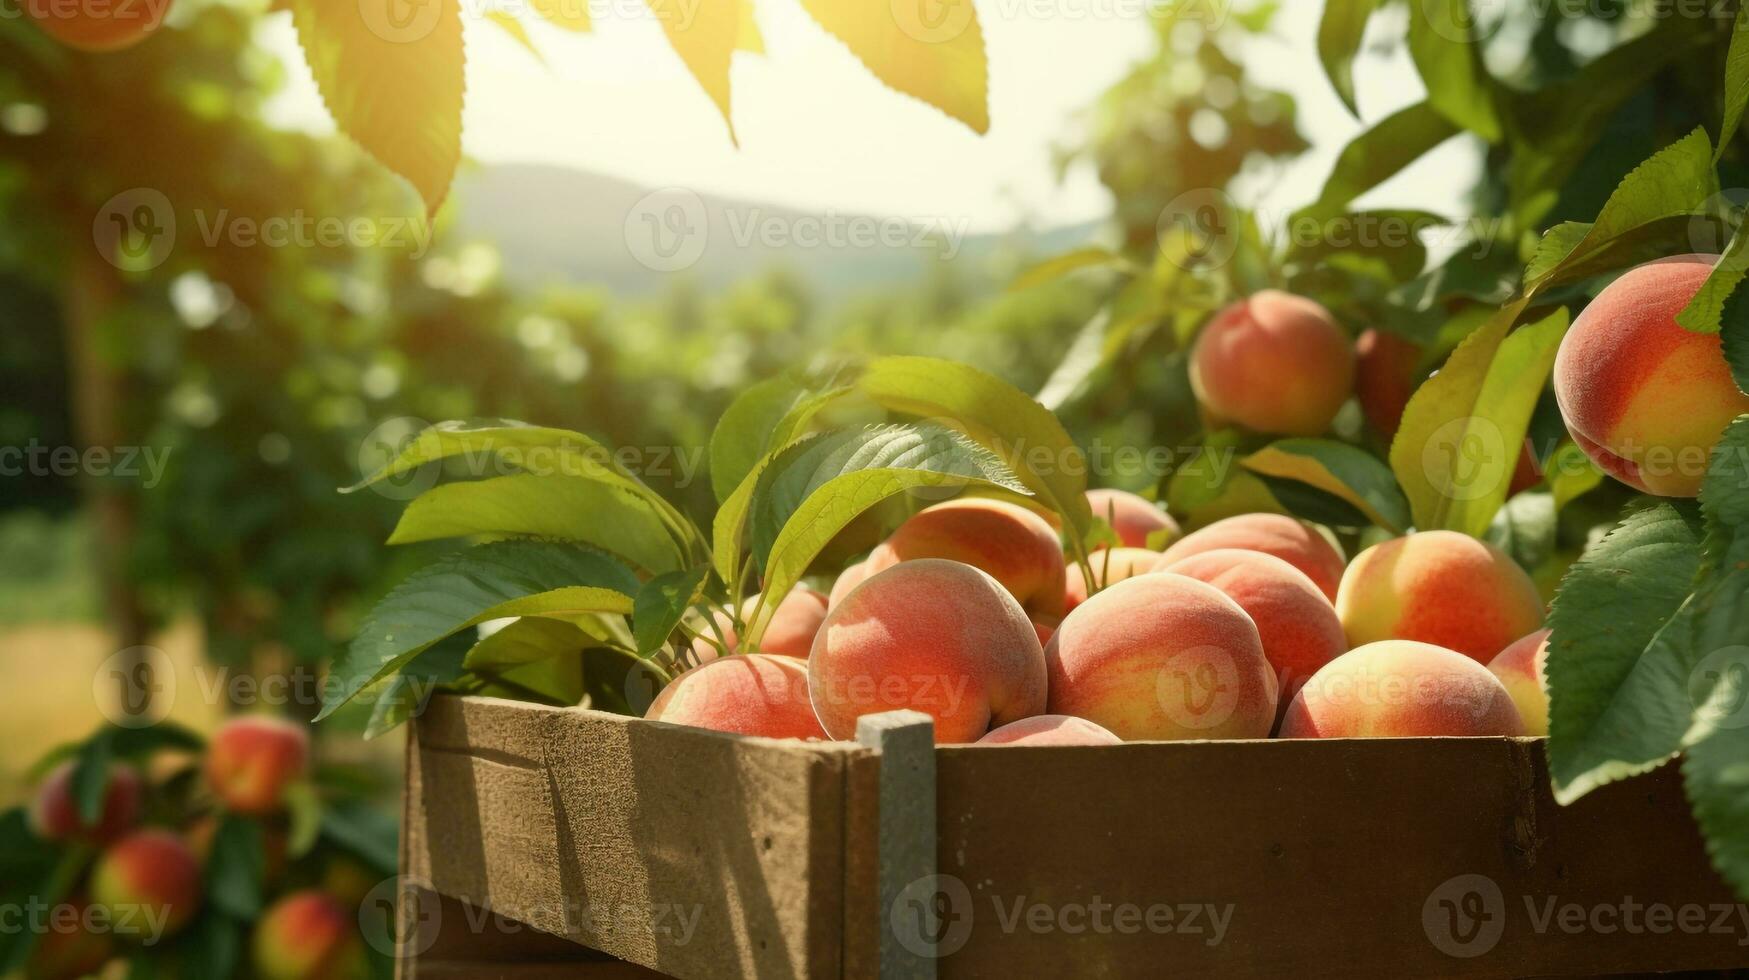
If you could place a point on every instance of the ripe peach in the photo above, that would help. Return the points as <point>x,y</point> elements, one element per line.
<point>70,947</point>
<point>935,636</point>
<point>309,935</point>
<point>1298,625</point>
<point>1014,545</point>
<point>1399,688</point>
<point>54,814</point>
<point>1646,399</point>
<point>253,760</point>
<point>1438,587</point>
<point>149,884</point>
<point>1299,544</point>
<point>1275,363</point>
<point>1162,657</point>
<point>1050,730</point>
<point>1520,668</point>
<point>1133,517</point>
<point>747,694</point>
<point>848,579</point>
<point>1109,566</point>
<point>98,25</point>
<point>791,630</point>
<point>1384,378</point>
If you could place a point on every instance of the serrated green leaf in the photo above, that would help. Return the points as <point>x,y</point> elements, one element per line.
<point>607,515</point>
<point>1340,33</point>
<point>1734,336</point>
<point>1606,695</point>
<point>1028,439</point>
<point>1736,81</point>
<point>765,417</point>
<point>704,36</point>
<point>661,604</point>
<point>403,695</point>
<point>933,53</point>
<point>1346,472</point>
<point>1378,154</point>
<point>491,581</point>
<point>1442,45</point>
<point>1705,311</point>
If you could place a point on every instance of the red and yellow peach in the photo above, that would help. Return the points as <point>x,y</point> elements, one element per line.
<point>253,760</point>
<point>148,884</point>
<point>1438,587</point>
<point>1050,730</point>
<point>54,813</point>
<point>1109,566</point>
<point>1401,688</point>
<point>309,935</point>
<point>1015,546</point>
<point>746,694</point>
<point>1137,521</point>
<point>1274,363</point>
<point>1295,542</point>
<point>1520,669</point>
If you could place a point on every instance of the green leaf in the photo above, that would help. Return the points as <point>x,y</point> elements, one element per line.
<point>238,867</point>
<point>213,946</point>
<point>704,36</point>
<point>91,776</point>
<point>933,53</point>
<point>765,417</point>
<point>491,581</point>
<point>1734,335</point>
<point>370,834</point>
<point>1378,154</point>
<point>1464,429</point>
<point>820,486</point>
<point>43,877</point>
<point>1525,528</point>
<point>1028,439</point>
<point>304,806</point>
<point>1052,269</point>
<point>1716,778</point>
<point>606,515</point>
<point>1391,237</point>
<point>528,640</point>
<point>661,603</point>
<point>1606,693</point>
<point>1340,33</point>
<point>1344,471</point>
<point>1736,83</point>
<point>392,82</point>
<point>1571,474</point>
<point>1442,44</point>
<point>1673,184</point>
<point>403,695</point>
<point>1706,310</point>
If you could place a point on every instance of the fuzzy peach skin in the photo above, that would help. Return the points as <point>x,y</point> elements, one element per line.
<point>1109,566</point>
<point>1050,730</point>
<point>1014,545</point>
<point>149,883</point>
<point>848,579</point>
<point>935,636</point>
<point>1401,688</point>
<point>1385,367</point>
<point>1295,542</point>
<point>251,761</point>
<point>1438,587</point>
<point>1275,363</point>
<point>309,935</point>
<point>1646,399</point>
<point>746,694</point>
<point>1162,657</point>
<point>1298,625</point>
<point>791,630</point>
<point>54,814</point>
<point>68,949</point>
<point>1133,517</point>
<point>1520,668</point>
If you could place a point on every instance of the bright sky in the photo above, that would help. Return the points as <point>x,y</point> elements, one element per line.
<point>818,132</point>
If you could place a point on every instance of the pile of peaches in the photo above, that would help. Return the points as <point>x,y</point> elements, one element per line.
<point>1250,627</point>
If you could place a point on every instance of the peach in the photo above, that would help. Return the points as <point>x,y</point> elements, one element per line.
<point>935,636</point>
<point>1520,668</point>
<point>1014,545</point>
<point>54,814</point>
<point>1274,363</point>
<point>1109,566</point>
<point>1298,625</point>
<point>745,694</point>
<point>1297,543</point>
<point>848,579</point>
<point>149,884</point>
<point>1646,399</point>
<point>790,633</point>
<point>253,760</point>
<point>1162,657</point>
<point>1401,688</point>
<point>71,946</point>
<point>1134,518</point>
<point>309,935</point>
<point>97,26</point>
<point>1385,368</point>
<point>1438,587</point>
<point>1050,730</point>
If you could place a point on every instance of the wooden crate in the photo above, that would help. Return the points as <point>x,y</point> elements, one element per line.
<point>697,854</point>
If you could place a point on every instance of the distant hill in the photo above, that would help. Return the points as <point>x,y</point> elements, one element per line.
<point>555,224</point>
